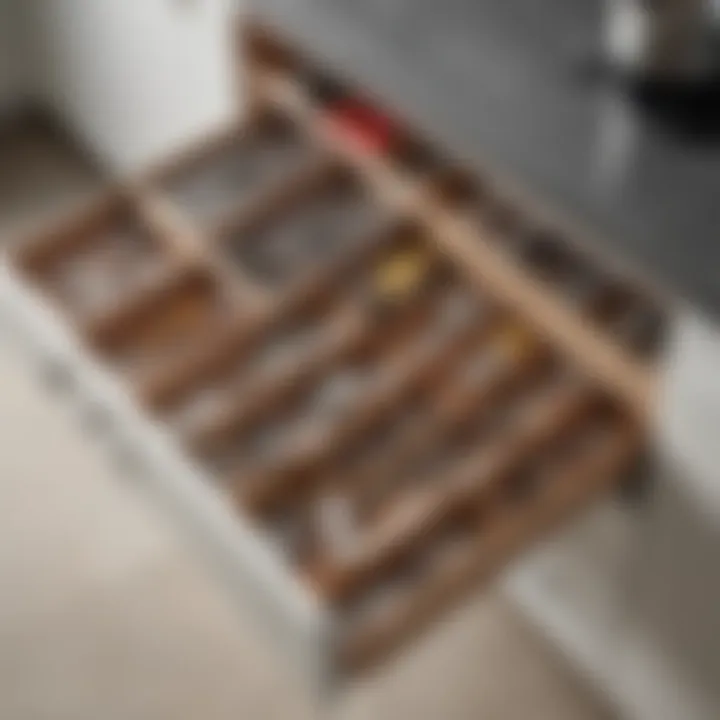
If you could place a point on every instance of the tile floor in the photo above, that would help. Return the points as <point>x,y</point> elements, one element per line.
<point>106,613</point>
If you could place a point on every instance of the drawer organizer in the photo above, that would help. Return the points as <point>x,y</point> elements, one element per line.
<point>366,378</point>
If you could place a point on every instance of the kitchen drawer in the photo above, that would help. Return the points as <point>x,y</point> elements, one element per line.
<point>363,457</point>
<point>359,427</point>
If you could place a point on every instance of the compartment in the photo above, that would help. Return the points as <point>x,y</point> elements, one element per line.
<point>383,337</point>
<point>450,472</point>
<point>481,204</point>
<point>332,391</point>
<point>103,257</point>
<point>352,117</point>
<point>224,177</point>
<point>290,349</point>
<point>293,315</point>
<point>434,426</point>
<point>629,315</point>
<point>366,127</point>
<point>386,615</point>
<point>328,220</point>
<point>452,416</point>
<point>179,315</point>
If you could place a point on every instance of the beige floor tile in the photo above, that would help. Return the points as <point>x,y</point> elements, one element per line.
<point>481,662</point>
<point>162,645</point>
<point>68,523</point>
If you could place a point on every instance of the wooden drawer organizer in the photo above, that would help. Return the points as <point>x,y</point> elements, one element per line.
<point>394,381</point>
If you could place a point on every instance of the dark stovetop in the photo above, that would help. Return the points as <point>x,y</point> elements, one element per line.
<point>501,83</point>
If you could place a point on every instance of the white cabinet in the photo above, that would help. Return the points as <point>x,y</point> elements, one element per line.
<point>575,589</point>
<point>669,654</point>
<point>632,595</point>
<point>138,78</point>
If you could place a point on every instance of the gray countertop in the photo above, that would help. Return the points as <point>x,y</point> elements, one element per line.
<point>499,83</point>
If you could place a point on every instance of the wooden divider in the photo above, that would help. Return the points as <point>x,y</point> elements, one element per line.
<point>461,401</point>
<point>117,323</point>
<point>596,354</point>
<point>276,198</point>
<point>416,516</point>
<point>301,298</point>
<point>261,396</point>
<point>485,553</point>
<point>411,367</point>
<point>65,233</point>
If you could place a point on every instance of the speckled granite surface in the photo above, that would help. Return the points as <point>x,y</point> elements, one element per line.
<point>500,82</point>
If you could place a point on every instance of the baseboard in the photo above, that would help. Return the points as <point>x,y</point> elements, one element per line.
<point>30,112</point>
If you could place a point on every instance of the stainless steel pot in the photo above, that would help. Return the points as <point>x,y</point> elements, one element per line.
<point>662,39</point>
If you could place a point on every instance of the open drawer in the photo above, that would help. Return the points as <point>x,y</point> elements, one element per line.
<point>376,435</point>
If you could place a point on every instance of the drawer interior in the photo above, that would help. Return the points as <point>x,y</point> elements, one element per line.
<point>295,372</point>
<point>319,223</point>
<point>398,419</point>
<point>179,315</point>
<point>212,180</point>
<point>102,258</point>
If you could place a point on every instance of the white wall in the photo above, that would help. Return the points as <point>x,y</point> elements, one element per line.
<point>135,78</point>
